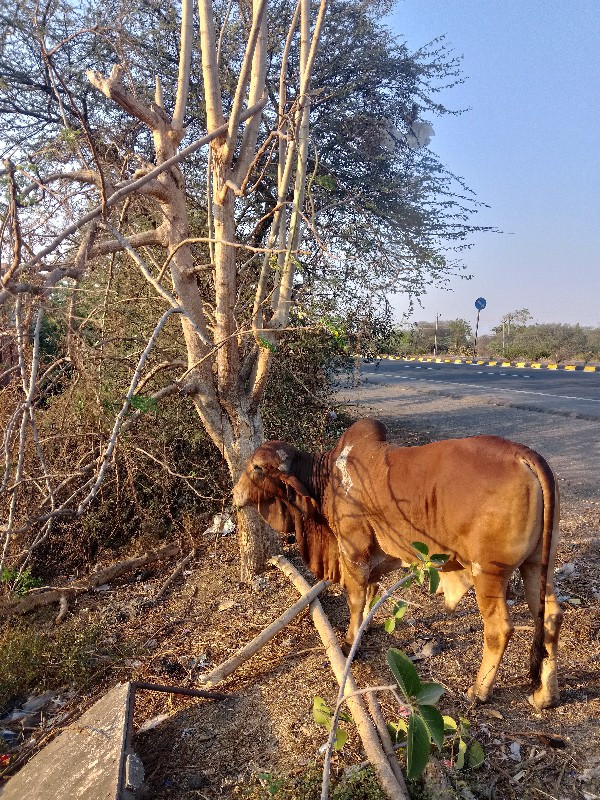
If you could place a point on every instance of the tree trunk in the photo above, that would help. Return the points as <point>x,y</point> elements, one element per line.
<point>257,541</point>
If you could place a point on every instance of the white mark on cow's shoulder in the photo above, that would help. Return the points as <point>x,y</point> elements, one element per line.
<point>476,568</point>
<point>342,464</point>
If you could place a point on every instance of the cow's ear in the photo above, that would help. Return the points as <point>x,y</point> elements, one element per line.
<point>298,495</point>
<point>276,514</point>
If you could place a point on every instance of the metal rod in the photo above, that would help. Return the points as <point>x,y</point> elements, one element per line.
<point>155,687</point>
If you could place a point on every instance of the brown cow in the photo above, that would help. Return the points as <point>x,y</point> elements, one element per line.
<point>489,503</point>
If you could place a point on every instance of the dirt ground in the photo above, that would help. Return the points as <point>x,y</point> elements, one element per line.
<point>215,748</point>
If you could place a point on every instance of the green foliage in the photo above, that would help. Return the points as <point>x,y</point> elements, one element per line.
<point>548,341</point>
<point>425,723</point>
<point>358,784</point>
<point>19,582</point>
<point>141,403</point>
<point>323,715</point>
<point>464,749</point>
<point>302,374</point>
<point>35,659</point>
<point>427,566</point>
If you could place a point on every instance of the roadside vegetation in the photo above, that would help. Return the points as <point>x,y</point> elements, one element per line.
<point>515,338</point>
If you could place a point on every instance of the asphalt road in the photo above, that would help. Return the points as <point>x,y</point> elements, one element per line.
<point>574,394</point>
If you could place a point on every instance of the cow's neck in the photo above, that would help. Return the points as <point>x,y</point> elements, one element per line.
<point>313,472</point>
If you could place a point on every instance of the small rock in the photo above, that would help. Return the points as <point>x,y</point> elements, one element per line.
<point>226,605</point>
<point>260,582</point>
<point>222,523</point>
<point>566,570</point>
<point>428,650</point>
<point>589,774</point>
<point>515,751</point>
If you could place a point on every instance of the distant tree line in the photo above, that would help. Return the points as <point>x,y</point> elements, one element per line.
<point>516,337</point>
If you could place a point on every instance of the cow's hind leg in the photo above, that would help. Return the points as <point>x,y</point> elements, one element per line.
<point>497,630</point>
<point>547,694</point>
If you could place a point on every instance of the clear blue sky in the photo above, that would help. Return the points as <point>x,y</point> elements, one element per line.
<point>529,147</point>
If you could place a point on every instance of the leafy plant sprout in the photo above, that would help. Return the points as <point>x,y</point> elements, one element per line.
<point>425,723</point>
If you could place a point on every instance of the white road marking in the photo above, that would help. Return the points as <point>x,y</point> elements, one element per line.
<point>501,389</point>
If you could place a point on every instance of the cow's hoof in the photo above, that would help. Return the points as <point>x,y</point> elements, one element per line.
<point>542,700</point>
<point>477,695</point>
<point>346,649</point>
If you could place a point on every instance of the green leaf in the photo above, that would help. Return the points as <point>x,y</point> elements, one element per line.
<point>465,725</point>
<point>434,722</point>
<point>420,577</point>
<point>476,755</point>
<point>390,625</point>
<point>422,550</point>
<point>404,672</point>
<point>398,730</point>
<point>417,748</point>
<point>375,600</point>
<point>440,558</point>
<point>460,758</point>
<point>434,579</point>
<point>340,738</point>
<point>399,610</point>
<point>449,724</point>
<point>267,344</point>
<point>430,693</point>
<point>321,711</point>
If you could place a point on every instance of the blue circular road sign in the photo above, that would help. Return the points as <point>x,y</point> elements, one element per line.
<point>480,303</point>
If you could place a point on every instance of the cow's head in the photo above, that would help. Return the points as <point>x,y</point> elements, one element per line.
<point>270,484</point>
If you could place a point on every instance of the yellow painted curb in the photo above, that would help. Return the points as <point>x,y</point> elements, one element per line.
<point>589,369</point>
<point>551,366</point>
<point>570,367</point>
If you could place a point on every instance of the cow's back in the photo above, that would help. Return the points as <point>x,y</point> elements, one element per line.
<point>476,498</point>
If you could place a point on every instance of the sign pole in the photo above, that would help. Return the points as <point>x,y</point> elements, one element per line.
<point>480,304</point>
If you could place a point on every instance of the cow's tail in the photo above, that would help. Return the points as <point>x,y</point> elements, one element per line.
<point>538,649</point>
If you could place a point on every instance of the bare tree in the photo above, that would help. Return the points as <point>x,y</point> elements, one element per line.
<point>228,358</point>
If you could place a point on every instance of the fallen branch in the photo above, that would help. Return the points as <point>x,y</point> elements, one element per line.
<point>173,576</point>
<point>347,675</point>
<point>364,725</point>
<point>386,739</point>
<point>242,655</point>
<point>95,579</point>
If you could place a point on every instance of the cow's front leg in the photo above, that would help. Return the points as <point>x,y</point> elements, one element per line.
<point>356,581</point>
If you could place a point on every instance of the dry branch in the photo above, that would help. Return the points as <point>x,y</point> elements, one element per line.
<point>384,735</point>
<point>242,655</point>
<point>364,725</point>
<point>173,576</point>
<point>106,575</point>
